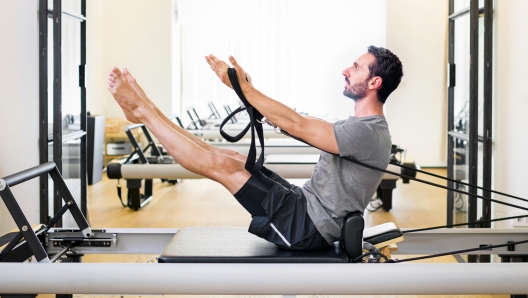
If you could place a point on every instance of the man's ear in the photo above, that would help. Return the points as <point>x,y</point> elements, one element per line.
<point>375,82</point>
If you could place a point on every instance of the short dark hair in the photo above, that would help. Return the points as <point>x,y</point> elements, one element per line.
<point>387,66</point>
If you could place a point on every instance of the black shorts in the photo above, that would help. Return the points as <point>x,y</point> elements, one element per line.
<point>283,219</point>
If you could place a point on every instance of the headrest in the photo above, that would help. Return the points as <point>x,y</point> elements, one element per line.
<point>352,234</point>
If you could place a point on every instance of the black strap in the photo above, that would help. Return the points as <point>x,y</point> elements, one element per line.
<point>119,193</point>
<point>252,164</point>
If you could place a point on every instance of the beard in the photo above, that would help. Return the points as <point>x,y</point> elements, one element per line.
<point>356,91</point>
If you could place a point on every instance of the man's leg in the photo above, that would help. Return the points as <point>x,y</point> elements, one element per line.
<point>192,153</point>
<point>132,81</point>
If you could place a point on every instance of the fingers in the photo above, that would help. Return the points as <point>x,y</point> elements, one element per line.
<point>235,64</point>
<point>241,78</point>
<point>233,61</point>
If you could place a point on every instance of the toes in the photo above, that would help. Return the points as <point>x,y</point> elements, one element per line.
<point>116,71</point>
<point>129,76</point>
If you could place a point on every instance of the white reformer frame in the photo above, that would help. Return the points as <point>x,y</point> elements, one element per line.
<point>273,278</point>
<point>267,278</point>
<point>273,147</point>
<point>297,168</point>
<point>214,134</point>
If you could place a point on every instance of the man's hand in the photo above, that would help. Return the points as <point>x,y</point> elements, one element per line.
<point>220,68</point>
<point>242,79</point>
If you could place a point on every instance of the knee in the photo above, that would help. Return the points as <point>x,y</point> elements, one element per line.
<point>227,166</point>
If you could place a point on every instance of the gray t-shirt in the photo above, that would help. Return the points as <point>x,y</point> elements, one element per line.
<point>338,186</point>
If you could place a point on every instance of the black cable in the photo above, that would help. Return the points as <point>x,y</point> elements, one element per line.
<point>368,254</point>
<point>431,183</point>
<point>460,251</point>
<point>374,208</point>
<point>460,182</point>
<point>463,224</point>
<point>408,177</point>
<point>460,199</point>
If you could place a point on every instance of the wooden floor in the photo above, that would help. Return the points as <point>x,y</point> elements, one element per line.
<point>203,202</point>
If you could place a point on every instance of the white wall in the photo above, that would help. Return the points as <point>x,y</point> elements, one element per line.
<point>511,104</point>
<point>19,103</point>
<point>136,34</point>
<point>417,110</point>
<point>295,50</point>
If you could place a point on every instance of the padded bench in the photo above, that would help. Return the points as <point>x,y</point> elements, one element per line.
<point>237,245</point>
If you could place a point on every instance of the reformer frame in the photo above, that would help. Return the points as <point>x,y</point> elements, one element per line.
<point>283,279</point>
<point>135,199</point>
<point>254,278</point>
<point>134,171</point>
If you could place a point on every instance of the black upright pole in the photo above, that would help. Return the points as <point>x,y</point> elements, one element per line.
<point>488,108</point>
<point>43,107</point>
<point>82,85</point>
<point>57,99</point>
<point>473,115</point>
<point>450,114</point>
<point>473,109</point>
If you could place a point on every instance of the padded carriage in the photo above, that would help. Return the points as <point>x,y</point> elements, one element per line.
<point>236,245</point>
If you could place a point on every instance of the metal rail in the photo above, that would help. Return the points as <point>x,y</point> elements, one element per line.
<point>263,279</point>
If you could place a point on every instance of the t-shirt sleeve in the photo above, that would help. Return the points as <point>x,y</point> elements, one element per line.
<point>354,139</point>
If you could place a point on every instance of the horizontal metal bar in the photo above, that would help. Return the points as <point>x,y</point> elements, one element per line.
<point>136,125</point>
<point>133,126</point>
<point>462,136</point>
<point>73,136</point>
<point>153,241</point>
<point>129,241</point>
<point>177,171</point>
<point>67,137</point>
<point>30,173</point>
<point>71,15</point>
<point>463,12</point>
<point>264,279</point>
<point>74,16</point>
<point>445,240</point>
<point>233,130</point>
<point>273,146</point>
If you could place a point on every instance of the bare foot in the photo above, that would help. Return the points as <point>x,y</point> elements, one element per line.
<point>132,81</point>
<point>129,100</point>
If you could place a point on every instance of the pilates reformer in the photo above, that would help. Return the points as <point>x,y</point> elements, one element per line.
<point>195,258</point>
<point>205,260</point>
<point>208,128</point>
<point>136,199</point>
<point>148,161</point>
<point>291,159</point>
<point>289,166</point>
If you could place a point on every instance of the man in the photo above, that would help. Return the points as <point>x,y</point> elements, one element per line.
<point>292,217</point>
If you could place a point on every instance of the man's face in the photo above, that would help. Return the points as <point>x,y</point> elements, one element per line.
<point>357,77</point>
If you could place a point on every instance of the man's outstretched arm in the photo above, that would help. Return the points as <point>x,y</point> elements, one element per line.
<point>315,131</point>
